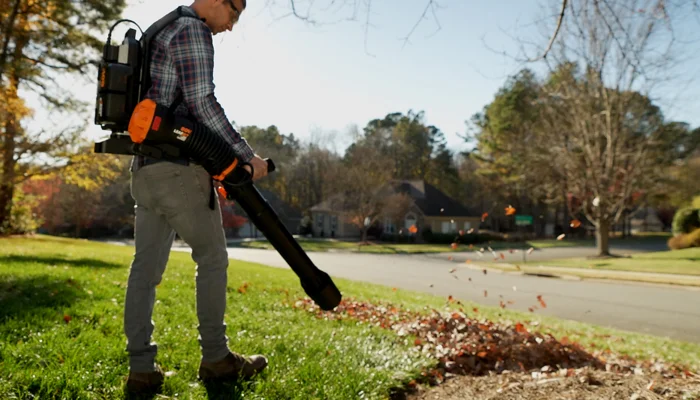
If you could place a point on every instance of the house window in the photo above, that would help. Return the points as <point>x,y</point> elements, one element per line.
<point>320,221</point>
<point>449,227</point>
<point>410,221</point>
<point>334,222</point>
<point>467,226</point>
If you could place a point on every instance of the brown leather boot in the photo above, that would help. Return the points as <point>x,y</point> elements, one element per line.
<point>232,367</point>
<point>145,382</point>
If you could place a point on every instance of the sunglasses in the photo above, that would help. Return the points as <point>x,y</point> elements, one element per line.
<point>238,12</point>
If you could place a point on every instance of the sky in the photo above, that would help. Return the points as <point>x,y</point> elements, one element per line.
<point>305,78</point>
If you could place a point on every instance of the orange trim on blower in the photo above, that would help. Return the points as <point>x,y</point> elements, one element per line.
<point>141,120</point>
<point>227,171</point>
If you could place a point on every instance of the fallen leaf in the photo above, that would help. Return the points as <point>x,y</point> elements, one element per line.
<point>470,279</point>
<point>650,385</point>
<point>467,261</point>
<point>542,303</point>
<point>575,223</point>
<point>530,250</point>
<point>453,270</point>
<point>454,246</point>
<point>561,237</point>
<point>470,230</point>
<point>486,293</point>
<point>484,216</point>
<point>517,267</point>
<point>531,309</point>
<point>67,318</point>
<point>243,288</point>
<point>461,232</point>
<point>503,257</point>
<point>394,289</point>
<point>484,271</point>
<point>481,354</point>
<point>431,285</point>
<point>510,210</point>
<point>449,258</point>
<point>502,304</point>
<point>520,328</point>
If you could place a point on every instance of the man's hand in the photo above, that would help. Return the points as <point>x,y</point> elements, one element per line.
<point>259,167</point>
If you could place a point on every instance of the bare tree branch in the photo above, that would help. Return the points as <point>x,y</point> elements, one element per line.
<point>556,33</point>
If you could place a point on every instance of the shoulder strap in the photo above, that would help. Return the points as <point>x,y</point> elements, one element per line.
<point>150,33</point>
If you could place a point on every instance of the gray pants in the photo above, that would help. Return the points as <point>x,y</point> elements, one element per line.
<point>175,198</point>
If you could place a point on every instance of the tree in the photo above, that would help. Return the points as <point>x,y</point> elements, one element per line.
<point>358,190</point>
<point>39,41</point>
<point>395,208</point>
<point>82,186</point>
<point>599,123</point>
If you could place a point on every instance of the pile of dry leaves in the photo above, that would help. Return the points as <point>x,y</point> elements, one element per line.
<point>474,347</point>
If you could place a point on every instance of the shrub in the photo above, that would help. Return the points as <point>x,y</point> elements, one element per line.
<point>686,220</point>
<point>22,217</point>
<point>685,240</point>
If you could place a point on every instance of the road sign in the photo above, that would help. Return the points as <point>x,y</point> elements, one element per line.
<point>523,220</point>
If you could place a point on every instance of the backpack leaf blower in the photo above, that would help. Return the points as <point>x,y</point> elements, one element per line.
<point>155,131</point>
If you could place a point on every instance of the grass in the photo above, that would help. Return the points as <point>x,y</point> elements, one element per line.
<point>61,305</point>
<point>324,245</point>
<point>683,262</point>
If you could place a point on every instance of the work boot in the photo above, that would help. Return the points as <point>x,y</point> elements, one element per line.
<point>232,367</point>
<point>145,382</point>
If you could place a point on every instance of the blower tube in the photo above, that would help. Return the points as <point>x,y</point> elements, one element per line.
<point>152,123</point>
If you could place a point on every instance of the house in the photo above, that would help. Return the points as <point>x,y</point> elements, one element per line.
<point>290,216</point>
<point>430,209</point>
<point>646,219</point>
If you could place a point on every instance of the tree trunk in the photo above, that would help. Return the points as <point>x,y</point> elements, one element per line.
<point>601,237</point>
<point>7,183</point>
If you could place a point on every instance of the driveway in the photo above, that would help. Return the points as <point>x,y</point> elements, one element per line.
<point>651,309</point>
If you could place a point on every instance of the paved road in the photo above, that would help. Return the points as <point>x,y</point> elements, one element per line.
<point>553,253</point>
<point>652,309</point>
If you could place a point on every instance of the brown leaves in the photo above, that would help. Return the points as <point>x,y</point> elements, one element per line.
<point>454,246</point>
<point>67,318</point>
<point>243,288</point>
<point>464,345</point>
<point>510,210</point>
<point>561,237</point>
<point>575,224</point>
<point>484,216</point>
<point>542,303</point>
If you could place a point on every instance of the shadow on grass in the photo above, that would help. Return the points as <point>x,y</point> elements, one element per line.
<point>48,260</point>
<point>224,391</point>
<point>35,297</point>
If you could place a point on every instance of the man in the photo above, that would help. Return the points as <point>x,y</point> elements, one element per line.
<point>178,197</point>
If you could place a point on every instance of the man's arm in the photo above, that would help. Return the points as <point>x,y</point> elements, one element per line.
<point>192,50</point>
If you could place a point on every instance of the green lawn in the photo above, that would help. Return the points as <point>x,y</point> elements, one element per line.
<point>379,247</point>
<point>61,305</point>
<point>685,262</point>
<point>396,248</point>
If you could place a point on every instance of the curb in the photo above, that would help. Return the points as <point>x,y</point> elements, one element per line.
<point>583,274</point>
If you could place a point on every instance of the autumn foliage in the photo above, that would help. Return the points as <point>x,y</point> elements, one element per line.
<point>464,344</point>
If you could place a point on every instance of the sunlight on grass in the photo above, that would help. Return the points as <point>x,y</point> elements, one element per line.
<point>61,305</point>
<point>684,262</point>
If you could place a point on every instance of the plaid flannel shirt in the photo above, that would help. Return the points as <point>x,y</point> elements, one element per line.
<point>182,61</point>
